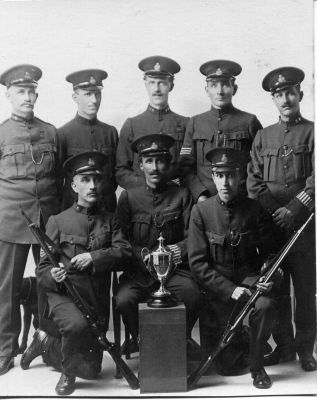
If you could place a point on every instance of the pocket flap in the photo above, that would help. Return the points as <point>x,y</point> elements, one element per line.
<point>141,219</point>
<point>270,152</point>
<point>237,135</point>
<point>12,149</point>
<point>46,147</point>
<point>215,238</point>
<point>171,216</point>
<point>203,135</point>
<point>73,239</point>
<point>301,148</point>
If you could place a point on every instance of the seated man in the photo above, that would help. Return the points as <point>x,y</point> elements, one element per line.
<point>90,242</point>
<point>228,241</point>
<point>145,211</point>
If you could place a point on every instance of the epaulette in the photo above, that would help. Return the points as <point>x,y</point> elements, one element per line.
<point>44,122</point>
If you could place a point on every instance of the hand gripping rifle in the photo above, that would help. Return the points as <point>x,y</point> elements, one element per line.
<point>92,319</point>
<point>233,326</point>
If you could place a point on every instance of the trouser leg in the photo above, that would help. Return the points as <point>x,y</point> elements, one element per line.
<point>185,289</point>
<point>13,257</point>
<point>81,352</point>
<point>127,299</point>
<point>261,320</point>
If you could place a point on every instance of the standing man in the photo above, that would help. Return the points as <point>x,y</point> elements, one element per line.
<point>222,126</point>
<point>90,243</point>
<point>281,176</point>
<point>85,132</point>
<point>144,211</point>
<point>228,241</point>
<point>28,180</point>
<point>158,118</point>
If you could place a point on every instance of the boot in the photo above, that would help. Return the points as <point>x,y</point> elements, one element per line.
<point>35,349</point>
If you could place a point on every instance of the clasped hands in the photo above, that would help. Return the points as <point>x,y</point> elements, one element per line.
<point>79,262</point>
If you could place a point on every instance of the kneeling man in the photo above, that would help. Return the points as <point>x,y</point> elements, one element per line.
<point>229,239</point>
<point>90,243</point>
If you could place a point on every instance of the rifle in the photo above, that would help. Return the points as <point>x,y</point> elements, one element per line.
<point>233,327</point>
<point>92,319</point>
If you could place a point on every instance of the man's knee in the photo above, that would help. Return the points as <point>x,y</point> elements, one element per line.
<point>125,299</point>
<point>74,326</point>
<point>264,305</point>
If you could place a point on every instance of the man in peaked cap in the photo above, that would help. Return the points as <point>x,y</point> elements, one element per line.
<point>229,239</point>
<point>159,74</point>
<point>223,125</point>
<point>144,210</point>
<point>85,132</point>
<point>281,177</point>
<point>90,243</point>
<point>29,171</point>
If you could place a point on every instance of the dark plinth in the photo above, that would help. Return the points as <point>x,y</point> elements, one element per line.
<point>162,349</point>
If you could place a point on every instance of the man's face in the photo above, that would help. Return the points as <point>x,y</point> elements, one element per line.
<point>227,184</point>
<point>22,99</point>
<point>220,92</point>
<point>88,102</point>
<point>154,168</point>
<point>287,102</point>
<point>158,90</point>
<point>88,188</point>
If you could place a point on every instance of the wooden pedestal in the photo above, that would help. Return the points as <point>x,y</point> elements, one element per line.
<point>163,365</point>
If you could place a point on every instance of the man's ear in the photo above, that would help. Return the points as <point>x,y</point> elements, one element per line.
<point>235,88</point>
<point>172,85</point>
<point>74,187</point>
<point>74,96</point>
<point>141,164</point>
<point>301,95</point>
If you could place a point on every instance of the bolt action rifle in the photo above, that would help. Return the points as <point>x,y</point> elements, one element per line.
<point>233,326</point>
<point>45,242</point>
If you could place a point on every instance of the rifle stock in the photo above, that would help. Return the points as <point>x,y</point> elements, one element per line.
<point>231,329</point>
<point>91,317</point>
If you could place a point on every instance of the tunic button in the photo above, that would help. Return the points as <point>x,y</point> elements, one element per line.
<point>286,130</point>
<point>29,127</point>
<point>219,119</point>
<point>285,166</point>
<point>219,132</point>
<point>286,185</point>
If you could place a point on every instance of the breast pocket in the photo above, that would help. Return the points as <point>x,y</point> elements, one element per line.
<point>73,244</point>
<point>141,228</point>
<point>302,161</point>
<point>239,140</point>
<point>109,166</point>
<point>270,164</point>
<point>203,142</point>
<point>216,246</point>
<point>44,156</point>
<point>173,226</point>
<point>12,161</point>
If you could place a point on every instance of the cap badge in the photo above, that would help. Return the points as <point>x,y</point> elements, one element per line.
<point>92,80</point>
<point>219,71</point>
<point>27,75</point>
<point>157,67</point>
<point>224,158</point>
<point>281,79</point>
<point>154,146</point>
<point>91,162</point>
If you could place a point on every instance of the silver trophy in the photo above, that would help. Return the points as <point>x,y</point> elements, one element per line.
<point>159,263</point>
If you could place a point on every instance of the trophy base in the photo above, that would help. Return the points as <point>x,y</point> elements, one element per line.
<point>162,302</point>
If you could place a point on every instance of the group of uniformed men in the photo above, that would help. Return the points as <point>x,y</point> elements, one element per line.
<point>225,193</point>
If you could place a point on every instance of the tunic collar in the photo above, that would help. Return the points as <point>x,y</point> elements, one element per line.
<point>86,121</point>
<point>85,210</point>
<point>161,188</point>
<point>293,121</point>
<point>153,110</point>
<point>231,203</point>
<point>18,118</point>
<point>219,112</point>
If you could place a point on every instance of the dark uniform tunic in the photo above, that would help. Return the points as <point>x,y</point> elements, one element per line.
<point>281,173</point>
<point>227,244</point>
<point>151,121</point>
<point>28,171</point>
<point>141,211</point>
<point>228,127</point>
<point>80,135</point>
<point>79,230</point>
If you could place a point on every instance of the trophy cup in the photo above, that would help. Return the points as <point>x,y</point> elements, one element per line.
<point>159,265</point>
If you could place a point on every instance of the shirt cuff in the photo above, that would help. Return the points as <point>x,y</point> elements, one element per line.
<point>177,254</point>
